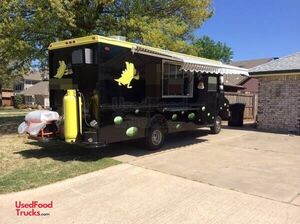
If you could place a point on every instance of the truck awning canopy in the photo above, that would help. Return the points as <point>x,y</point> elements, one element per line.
<point>191,63</point>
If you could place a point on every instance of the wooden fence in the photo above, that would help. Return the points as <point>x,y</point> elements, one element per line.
<point>250,101</point>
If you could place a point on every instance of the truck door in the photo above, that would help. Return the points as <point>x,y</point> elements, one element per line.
<point>212,97</point>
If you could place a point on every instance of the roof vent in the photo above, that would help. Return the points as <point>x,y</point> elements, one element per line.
<point>122,38</point>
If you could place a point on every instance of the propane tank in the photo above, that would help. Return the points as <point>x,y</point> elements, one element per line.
<point>70,116</point>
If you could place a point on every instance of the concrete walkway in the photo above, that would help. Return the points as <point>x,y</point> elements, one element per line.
<point>236,177</point>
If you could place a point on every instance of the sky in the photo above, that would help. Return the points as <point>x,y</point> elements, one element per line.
<point>255,28</point>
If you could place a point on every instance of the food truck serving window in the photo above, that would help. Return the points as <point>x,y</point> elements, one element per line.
<point>175,81</point>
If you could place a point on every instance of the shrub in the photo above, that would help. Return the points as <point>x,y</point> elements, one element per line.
<point>21,106</point>
<point>18,100</point>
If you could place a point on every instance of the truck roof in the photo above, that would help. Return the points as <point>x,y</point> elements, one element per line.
<point>189,62</point>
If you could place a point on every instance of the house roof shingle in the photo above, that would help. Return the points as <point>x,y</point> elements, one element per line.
<point>233,80</point>
<point>287,63</point>
<point>236,80</point>
<point>251,63</point>
<point>33,75</point>
<point>41,88</point>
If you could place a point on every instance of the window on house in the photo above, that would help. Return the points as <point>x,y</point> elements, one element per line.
<point>212,84</point>
<point>29,100</point>
<point>176,82</point>
<point>18,87</point>
<point>30,82</point>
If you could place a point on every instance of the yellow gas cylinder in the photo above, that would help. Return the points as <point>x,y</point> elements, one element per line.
<point>70,116</point>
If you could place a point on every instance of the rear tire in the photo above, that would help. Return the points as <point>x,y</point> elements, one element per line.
<point>217,126</point>
<point>155,138</point>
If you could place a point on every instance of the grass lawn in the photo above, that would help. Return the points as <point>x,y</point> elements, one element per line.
<point>12,115</point>
<point>11,119</point>
<point>27,164</point>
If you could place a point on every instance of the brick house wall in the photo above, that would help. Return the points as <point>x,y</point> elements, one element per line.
<point>279,103</point>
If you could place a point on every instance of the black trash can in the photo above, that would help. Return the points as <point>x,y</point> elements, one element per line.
<point>236,115</point>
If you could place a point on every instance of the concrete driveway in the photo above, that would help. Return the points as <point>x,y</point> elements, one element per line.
<point>238,176</point>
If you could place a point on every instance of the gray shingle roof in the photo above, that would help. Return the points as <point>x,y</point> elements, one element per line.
<point>33,75</point>
<point>41,88</point>
<point>287,63</point>
<point>236,80</point>
<point>232,80</point>
<point>251,63</point>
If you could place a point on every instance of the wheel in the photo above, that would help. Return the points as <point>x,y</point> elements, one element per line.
<point>155,138</point>
<point>217,126</point>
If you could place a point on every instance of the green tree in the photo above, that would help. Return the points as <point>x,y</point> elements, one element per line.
<point>208,48</point>
<point>28,26</point>
<point>10,71</point>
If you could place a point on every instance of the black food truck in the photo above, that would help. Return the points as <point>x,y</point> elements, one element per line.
<point>109,90</point>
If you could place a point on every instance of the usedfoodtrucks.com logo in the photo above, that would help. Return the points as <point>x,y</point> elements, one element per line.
<point>32,208</point>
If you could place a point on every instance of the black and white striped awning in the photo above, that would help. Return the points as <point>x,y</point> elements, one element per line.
<point>212,69</point>
<point>191,63</point>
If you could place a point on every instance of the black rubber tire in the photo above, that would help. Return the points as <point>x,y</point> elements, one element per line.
<point>155,138</point>
<point>217,126</point>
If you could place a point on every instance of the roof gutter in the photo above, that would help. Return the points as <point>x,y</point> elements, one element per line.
<point>274,73</point>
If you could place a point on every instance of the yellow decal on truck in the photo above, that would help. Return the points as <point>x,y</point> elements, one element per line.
<point>61,70</point>
<point>127,75</point>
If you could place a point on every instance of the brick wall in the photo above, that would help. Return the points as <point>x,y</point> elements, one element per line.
<point>279,103</point>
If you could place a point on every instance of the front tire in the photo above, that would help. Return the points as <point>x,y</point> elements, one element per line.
<point>155,138</point>
<point>217,126</point>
